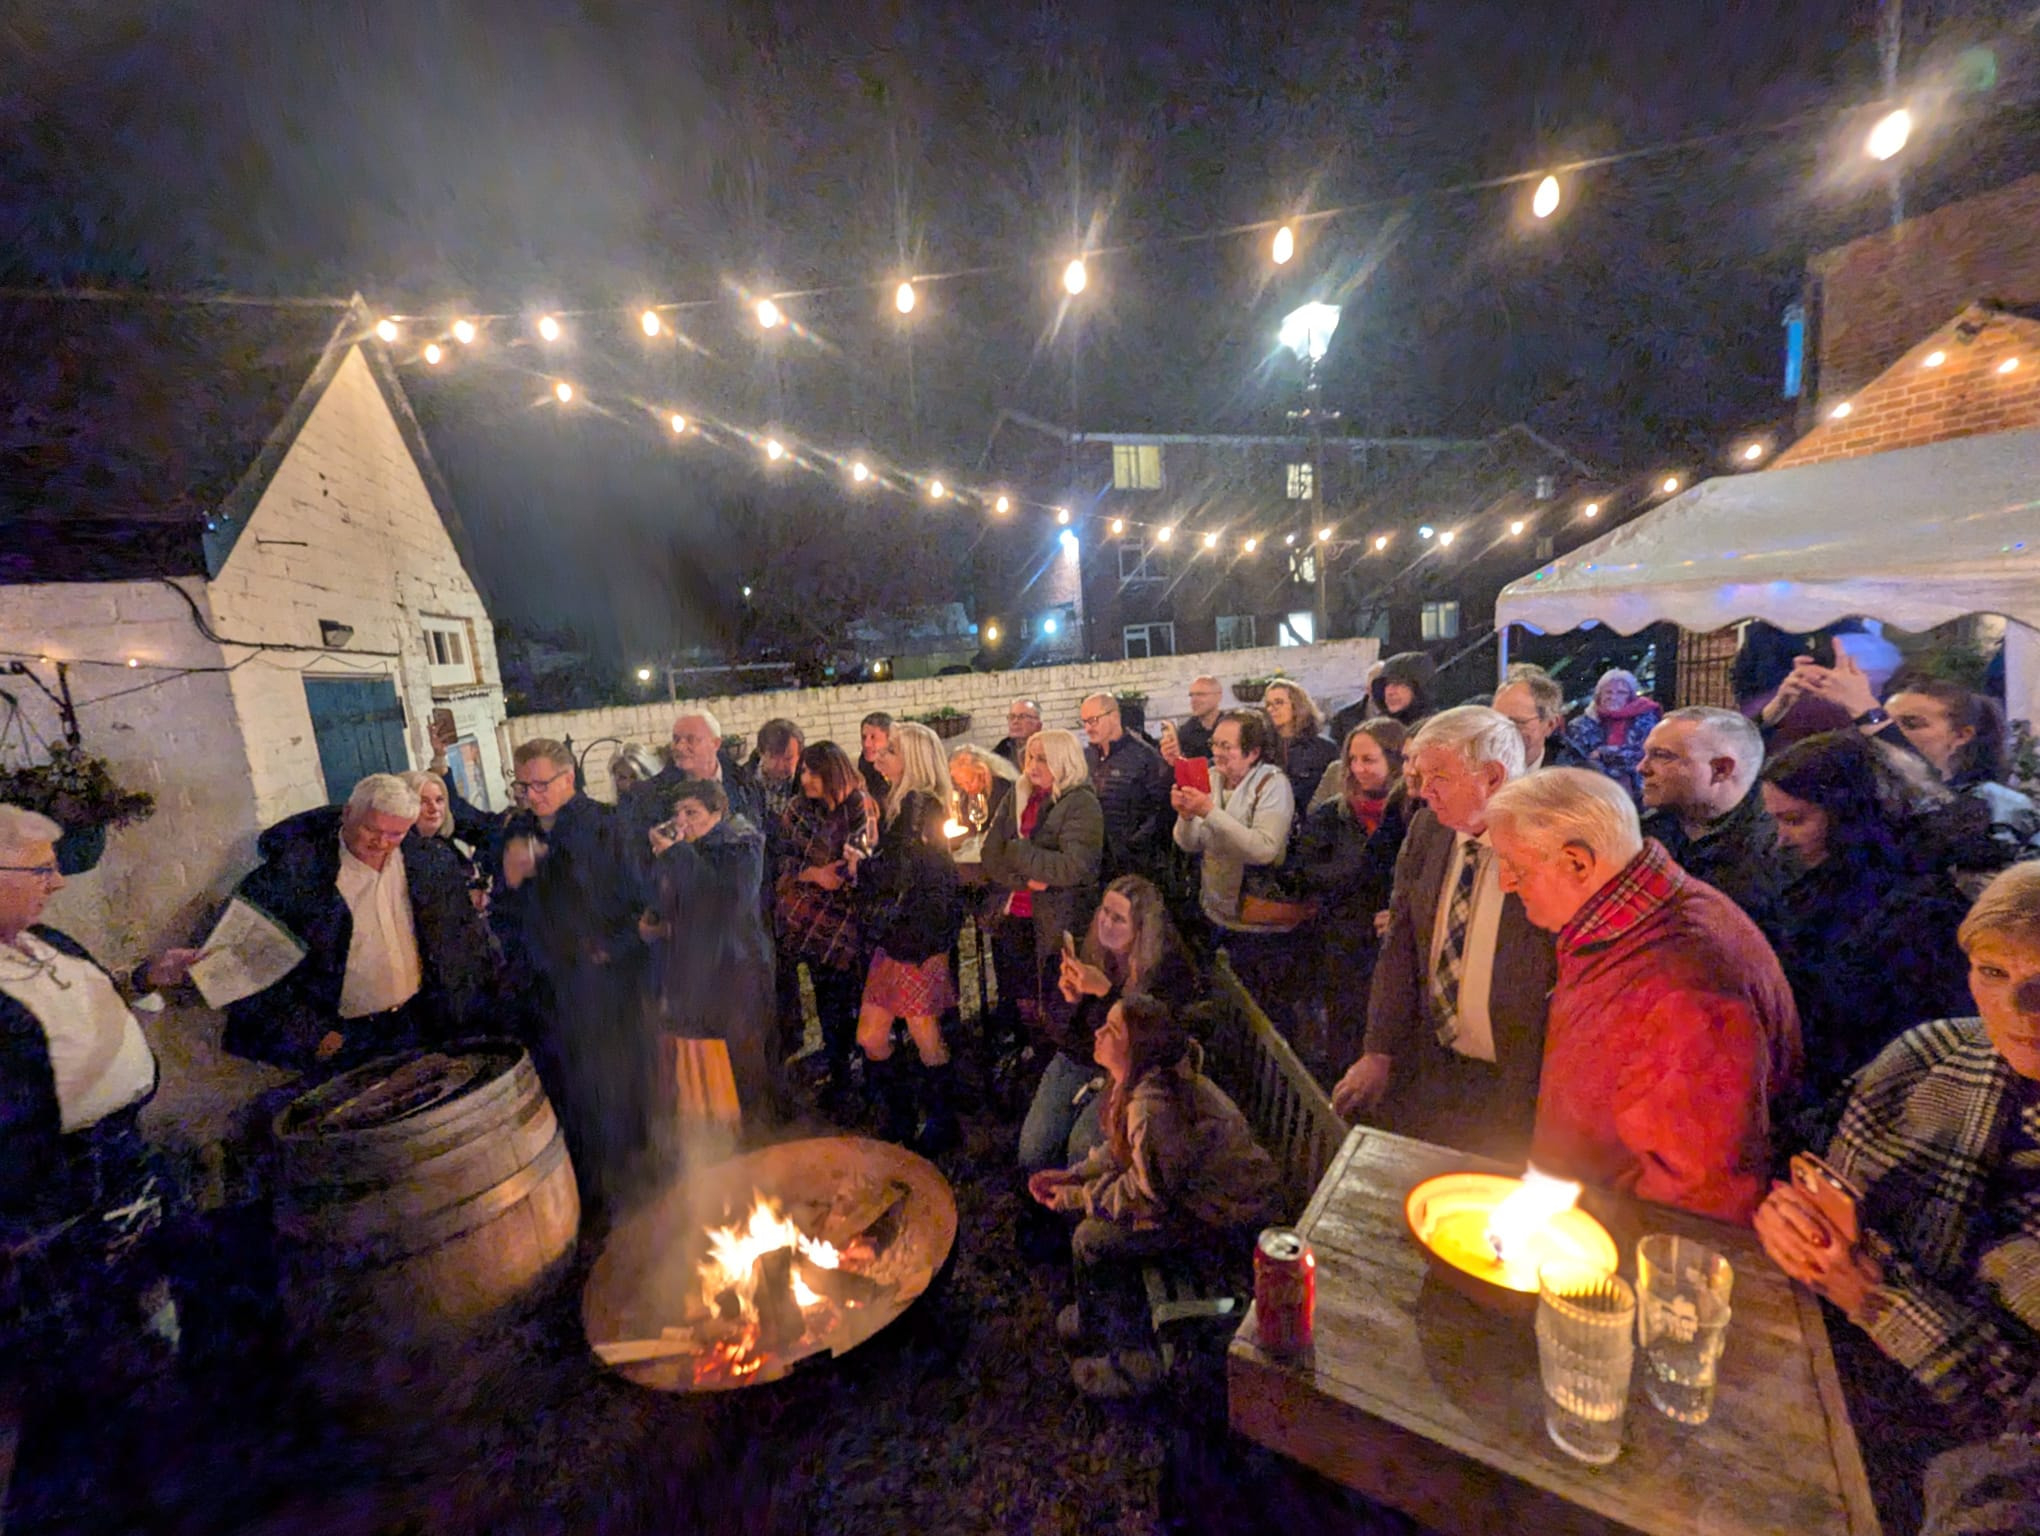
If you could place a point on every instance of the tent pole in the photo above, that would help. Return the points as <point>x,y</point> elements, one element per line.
<point>1501,654</point>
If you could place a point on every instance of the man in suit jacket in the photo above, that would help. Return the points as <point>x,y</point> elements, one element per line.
<point>1455,1022</point>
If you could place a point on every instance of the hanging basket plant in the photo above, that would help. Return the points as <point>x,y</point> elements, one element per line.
<point>1248,690</point>
<point>945,722</point>
<point>78,792</point>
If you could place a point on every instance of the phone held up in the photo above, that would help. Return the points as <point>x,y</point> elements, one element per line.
<point>1835,1197</point>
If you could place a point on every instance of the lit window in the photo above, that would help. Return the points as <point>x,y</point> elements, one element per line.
<point>1236,632</point>
<point>1303,566</point>
<point>1137,466</point>
<point>1441,621</point>
<point>1297,629</point>
<point>1302,482</point>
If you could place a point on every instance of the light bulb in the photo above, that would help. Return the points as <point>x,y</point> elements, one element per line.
<point>1671,484</point>
<point>1380,542</point>
<point>992,633</point>
<point>1754,452</point>
<point>937,490</point>
<point>386,329</point>
<point>1285,245</point>
<point>1164,534</point>
<point>1062,516</point>
<point>1003,504</point>
<point>860,472</point>
<point>903,298</point>
<point>564,391</point>
<point>775,450</point>
<point>133,662</point>
<point>1119,525</point>
<point>679,424</point>
<point>1445,538</point>
<point>1591,509</point>
<point>1211,541</point>
<point>650,321</point>
<point>2009,365</point>
<point>433,354</point>
<point>1324,535</point>
<point>1516,528</point>
<point>1544,202</point>
<point>747,592</point>
<point>464,331</point>
<point>1076,277</point>
<point>644,674</point>
<point>1890,135</point>
<point>1427,532</point>
<point>1934,359</point>
<point>1841,412</point>
<point>548,328</point>
<point>1251,544</point>
<point>769,315</point>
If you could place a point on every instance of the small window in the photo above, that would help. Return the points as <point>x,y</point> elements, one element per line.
<point>1297,629</point>
<point>1547,546</point>
<point>1137,466</point>
<point>1302,482</point>
<point>1137,564</point>
<point>1441,621</point>
<point>449,653</point>
<point>1236,632</point>
<point>1303,566</point>
<point>1142,641</point>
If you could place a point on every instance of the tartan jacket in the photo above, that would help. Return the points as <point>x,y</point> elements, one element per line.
<point>1921,1137</point>
<point>813,924</point>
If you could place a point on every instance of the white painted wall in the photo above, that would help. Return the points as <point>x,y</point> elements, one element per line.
<point>1333,674</point>
<point>174,734</point>
<point>347,531</point>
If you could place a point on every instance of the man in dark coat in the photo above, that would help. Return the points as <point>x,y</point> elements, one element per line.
<point>1023,719</point>
<point>1455,1020</point>
<point>1535,705</point>
<point>395,953</point>
<point>1401,690</point>
<point>697,754</point>
<point>1193,737</point>
<point>1700,800</point>
<point>1133,785</point>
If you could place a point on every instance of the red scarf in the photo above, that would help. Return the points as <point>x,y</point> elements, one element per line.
<point>1615,722</point>
<point>1368,812</point>
<point>1021,903</point>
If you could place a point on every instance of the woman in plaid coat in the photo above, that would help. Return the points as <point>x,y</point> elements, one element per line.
<point>1942,1138</point>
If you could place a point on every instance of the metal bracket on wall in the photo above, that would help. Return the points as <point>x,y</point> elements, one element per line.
<point>67,713</point>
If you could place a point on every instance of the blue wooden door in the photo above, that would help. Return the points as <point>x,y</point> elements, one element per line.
<point>359,726</point>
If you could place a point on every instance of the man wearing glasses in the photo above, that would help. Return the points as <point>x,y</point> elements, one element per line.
<point>1133,785</point>
<point>1023,719</point>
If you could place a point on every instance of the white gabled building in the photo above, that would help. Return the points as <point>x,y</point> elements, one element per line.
<point>222,532</point>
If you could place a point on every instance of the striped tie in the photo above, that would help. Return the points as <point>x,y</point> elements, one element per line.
<point>1452,952</point>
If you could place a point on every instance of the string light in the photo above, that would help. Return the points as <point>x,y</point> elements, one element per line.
<point>1119,525</point>
<point>1754,452</point>
<point>644,674</point>
<point>860,472</point>
<point>769,316</point>
<point>1062,515</point>
<point>775,450</point>
<point>1890,135</point>
<point>992,633</point>
<point>464,331</point>
<point>1211,541</point>
<point>548,328</point>
<point>1544,201</point>
<point>2009,365</point>
<point>134,661</point>
<point>1427,532</point>
<point>1380,542</point>
<point>679,424</point>
<point>1165,533</point>
<point>1516,529</point>
<point>903,298</point>
<point>1671,485</point>
<point>1445,539</point>
<point>1285,245</point>
<point>1003,505</point>
<point>1934,359</point>
<point>1324,535</point>
<point>1591,510</point>
<point>1076,277</point>
<point>1841,412</point>
<point>650,321</point>
<point>433,354</point>
<point>386,329</point>
<point>937,490</point>
<point>564,391</point>
<point>1250,544</point>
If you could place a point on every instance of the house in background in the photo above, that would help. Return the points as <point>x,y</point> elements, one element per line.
<point>224,539</point>
<point>1160,524</point>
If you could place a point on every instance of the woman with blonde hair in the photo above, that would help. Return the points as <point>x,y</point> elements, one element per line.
<point>910,907</point>
<point>1306,751</point>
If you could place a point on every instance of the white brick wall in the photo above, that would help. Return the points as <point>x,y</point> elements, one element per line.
<point>1332,673</point>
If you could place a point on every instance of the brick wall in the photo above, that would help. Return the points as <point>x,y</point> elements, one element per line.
<point>1965,395</point>
<point>1331,673</point>
<point>1878,295</point>
<point>347,531</point>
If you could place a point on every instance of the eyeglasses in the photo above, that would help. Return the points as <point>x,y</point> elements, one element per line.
<point>43,872</point>
<point>1083,719</point>
<point>526,786</point>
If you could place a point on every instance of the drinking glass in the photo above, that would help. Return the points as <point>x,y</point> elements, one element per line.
<point>1586,1330</point>
<point>1681,1322</point>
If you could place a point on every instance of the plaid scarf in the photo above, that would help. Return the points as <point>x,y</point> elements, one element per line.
<point>1924,1131</point>
<point>1646,883</point>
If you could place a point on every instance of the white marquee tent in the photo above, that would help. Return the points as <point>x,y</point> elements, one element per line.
<point>1915,537</point>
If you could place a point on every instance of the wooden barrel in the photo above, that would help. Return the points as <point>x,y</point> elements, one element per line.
<point>422,1196</point>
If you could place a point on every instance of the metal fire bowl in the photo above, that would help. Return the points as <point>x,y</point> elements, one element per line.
<point>1450,1195</point>
<point>650,1266</point>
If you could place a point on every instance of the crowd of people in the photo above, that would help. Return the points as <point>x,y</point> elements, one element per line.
<point>1653,950</point>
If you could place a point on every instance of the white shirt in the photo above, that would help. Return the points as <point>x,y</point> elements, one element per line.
<point>1476,1036</point>
<point>97,1053</point>
<point>383,971</point>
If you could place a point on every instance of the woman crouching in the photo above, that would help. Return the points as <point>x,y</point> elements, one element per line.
<point>1179,1172</point>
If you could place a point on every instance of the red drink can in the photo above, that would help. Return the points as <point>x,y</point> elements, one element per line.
<point>1285,1291</point>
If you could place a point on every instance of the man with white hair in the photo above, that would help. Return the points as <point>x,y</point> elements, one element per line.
<point>1455,1022</point>
<point>1700,800</point>
<point>697,754</point>
<point>395,953</point>
<point>1672,1029</point>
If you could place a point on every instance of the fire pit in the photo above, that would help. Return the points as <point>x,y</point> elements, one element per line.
<point>739,1275</point>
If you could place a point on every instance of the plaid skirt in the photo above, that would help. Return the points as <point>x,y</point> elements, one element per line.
<point>906,991</point>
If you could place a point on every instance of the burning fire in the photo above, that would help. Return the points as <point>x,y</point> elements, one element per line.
<point>1524,1213</point>
<point>731,1270</point>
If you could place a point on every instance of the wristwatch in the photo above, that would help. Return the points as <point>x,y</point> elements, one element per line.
<point>1876,714</point>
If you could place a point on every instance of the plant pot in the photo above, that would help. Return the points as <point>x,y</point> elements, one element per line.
<point>1249,693</point>
<point>947,726</point>
<point>80,849</point>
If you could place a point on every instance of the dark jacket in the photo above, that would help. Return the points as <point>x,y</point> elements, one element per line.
<point>47,1176</point>
<point>1133,785</point>
<point>715,963</point>
<point>1305,760</point>
<point>1987,827</point>
<point>651,802</point>
<point>296,885</point>
<point>1010,748</point>
<point>1347,870</point>
<point>1738,854</point>
<point>1413,668</point>
<point>909,900</point>
<point>1193,737</point>
<point>1560,753</point>
<point>1065,853</point>
<point>1485,1108</point>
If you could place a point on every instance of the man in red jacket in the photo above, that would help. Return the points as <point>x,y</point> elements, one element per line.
<point>1671,1028</point>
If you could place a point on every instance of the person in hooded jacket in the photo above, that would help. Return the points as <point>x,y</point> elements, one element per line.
<point>395,953</point>
<point>1401,690</point>
<point>1963,738</point>
<point>712,957</point>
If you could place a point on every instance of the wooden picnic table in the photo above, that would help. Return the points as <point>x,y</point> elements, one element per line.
<point>1422,1400</point>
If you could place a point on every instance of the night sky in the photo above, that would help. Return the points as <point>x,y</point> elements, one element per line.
<point>524,155</point>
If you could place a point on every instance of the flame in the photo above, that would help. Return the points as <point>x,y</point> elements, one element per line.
<point>733,1250</point>
<point>1525,1211</point>
<point>953,829</point>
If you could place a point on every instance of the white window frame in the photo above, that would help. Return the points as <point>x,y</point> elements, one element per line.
<point>450,659</point>
<point>1302,481</point>
<point>1299,628</point>
<point>1144,566</point>
<point>1440,620</point>
<point>1137,466</point>
<point>1236,632</point>
<point>1165,628</point>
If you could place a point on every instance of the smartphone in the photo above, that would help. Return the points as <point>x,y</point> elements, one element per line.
<point>1194,773</point>
<point>1069,944</point>
<point>1835,1197</point>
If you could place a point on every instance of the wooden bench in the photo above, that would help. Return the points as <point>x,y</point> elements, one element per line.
<point>1291,1116</point>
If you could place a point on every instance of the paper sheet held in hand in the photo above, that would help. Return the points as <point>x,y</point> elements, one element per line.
<point>248,950</point>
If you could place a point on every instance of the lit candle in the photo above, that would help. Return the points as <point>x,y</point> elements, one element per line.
<point>953,829</point>
<point>1503,1230</point>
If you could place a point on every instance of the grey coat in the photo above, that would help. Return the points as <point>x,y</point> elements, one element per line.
<point>1066,854</point>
